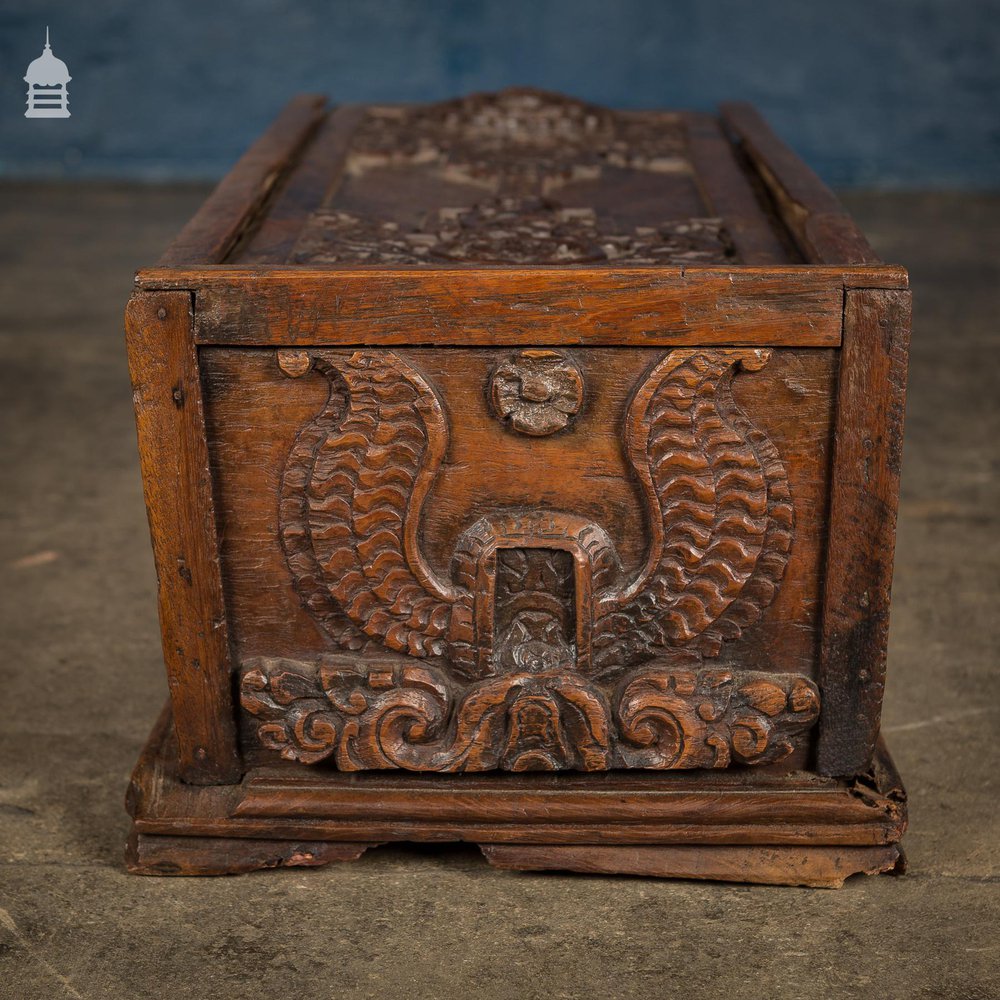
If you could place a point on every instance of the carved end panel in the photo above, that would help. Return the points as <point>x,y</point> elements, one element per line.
<point>539,648</point>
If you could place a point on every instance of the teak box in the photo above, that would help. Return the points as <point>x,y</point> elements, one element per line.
<point>525,473</point>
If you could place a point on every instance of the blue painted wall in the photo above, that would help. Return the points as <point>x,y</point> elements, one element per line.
<point>884,93</point>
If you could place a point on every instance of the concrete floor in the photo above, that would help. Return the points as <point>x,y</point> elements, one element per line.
<point>82,683</point>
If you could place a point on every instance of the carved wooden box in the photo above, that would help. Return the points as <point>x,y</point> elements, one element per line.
<point>525,473</point>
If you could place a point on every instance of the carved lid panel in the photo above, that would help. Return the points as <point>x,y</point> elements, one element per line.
<point>519,177</point>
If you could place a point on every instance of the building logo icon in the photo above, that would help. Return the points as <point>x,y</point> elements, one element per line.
<point>47,76</point>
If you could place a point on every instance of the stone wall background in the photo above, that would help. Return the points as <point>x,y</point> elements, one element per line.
<point>873,93</point>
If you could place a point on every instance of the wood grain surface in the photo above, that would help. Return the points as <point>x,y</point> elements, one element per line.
<point>513,433</point>
<point>865,496</point>
<point>173,454</point>
<point>819,224</point>
<point>243,192</point>
<point>531,307</point>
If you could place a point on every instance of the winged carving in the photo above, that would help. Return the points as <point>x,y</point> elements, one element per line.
<point>352,497</point>
<point>719,515</point>
<point>545,653</point>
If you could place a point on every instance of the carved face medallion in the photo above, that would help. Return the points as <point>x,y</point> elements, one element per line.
<point>537,392</point>
<point>534,643</point>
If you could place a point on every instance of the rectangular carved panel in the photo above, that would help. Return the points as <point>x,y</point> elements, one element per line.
<point>515,177</point>
<point>502,512</point>
<point>254,413</point>
<point>394,714</point>
<point>534,620</point>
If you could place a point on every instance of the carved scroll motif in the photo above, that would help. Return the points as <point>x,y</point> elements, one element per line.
<point>399,715</point>
<point>538,604</point>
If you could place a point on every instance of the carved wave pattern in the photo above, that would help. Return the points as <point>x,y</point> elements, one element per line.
<point>720,517</point>
<point>720,513</point>
<point>296,539</point>
<point>367,468</point>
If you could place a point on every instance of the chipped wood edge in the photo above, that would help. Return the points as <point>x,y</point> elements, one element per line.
<point>153,855</point>
<point>812,867</point>
<point>822,228</point>
<point>242,194</point>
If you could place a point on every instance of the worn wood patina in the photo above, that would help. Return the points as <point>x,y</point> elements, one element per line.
<point>522,472</point>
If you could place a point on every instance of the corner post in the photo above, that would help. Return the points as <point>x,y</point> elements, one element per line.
<point>865,494</point>
<point>177,483</point>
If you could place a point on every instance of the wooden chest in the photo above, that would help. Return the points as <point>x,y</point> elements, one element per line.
<point>525,473</point>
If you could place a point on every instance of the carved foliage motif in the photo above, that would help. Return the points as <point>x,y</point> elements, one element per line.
<point>536,392</point>
<point>538,619</point>
<point>508,231</point>
<point>401,715</point>
<point>516,148</point>
<point>518,140</point>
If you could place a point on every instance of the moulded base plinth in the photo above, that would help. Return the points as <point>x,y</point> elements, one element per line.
<point>737,825</point>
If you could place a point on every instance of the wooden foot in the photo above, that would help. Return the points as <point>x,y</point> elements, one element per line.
<point>819,867</point>
<point>153,855</point>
